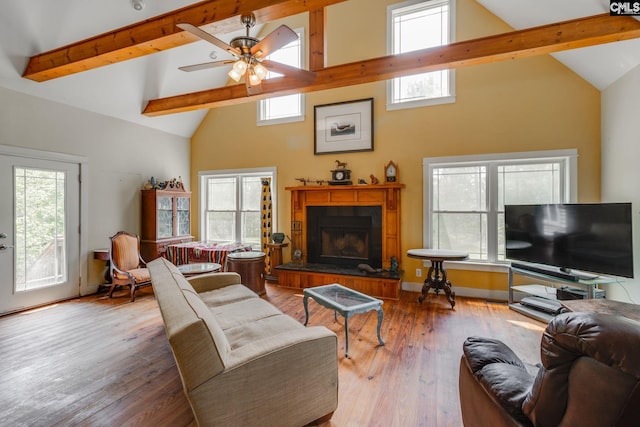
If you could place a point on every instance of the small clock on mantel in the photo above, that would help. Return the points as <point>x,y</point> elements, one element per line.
<point>340,175</point>
<point>391,172</point>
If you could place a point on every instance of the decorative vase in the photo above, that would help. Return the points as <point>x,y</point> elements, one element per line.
<point>277,237</point>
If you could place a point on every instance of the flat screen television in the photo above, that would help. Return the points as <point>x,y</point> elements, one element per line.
<point>590,237</point>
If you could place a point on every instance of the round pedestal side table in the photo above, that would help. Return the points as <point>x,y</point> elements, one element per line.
<point>250,266</point>
<point>437,275</point>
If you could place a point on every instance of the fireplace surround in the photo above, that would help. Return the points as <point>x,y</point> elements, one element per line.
<point>360,224</point>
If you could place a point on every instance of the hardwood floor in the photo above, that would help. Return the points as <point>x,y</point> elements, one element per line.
<point>97,361</point>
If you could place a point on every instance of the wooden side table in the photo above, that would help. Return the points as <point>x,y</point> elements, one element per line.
<point>276,260</point>
<point>103,255</point>
<point>606,306</point>
<point>437,275</point>
<point>250,266</point>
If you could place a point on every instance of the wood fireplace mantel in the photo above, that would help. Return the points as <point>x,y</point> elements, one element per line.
<point>387,196</point>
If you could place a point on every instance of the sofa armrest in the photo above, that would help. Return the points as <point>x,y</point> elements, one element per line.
<point>297,367</point>
<point>210,281</point>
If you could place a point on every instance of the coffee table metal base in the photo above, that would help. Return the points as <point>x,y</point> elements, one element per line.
<point>345,301</point>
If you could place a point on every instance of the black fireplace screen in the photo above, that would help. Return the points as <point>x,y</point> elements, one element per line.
<point>344,235</point>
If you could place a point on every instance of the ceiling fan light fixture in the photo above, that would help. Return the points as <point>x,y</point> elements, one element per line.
<point>240,66</point>
<point>261,71</point>
<point>234,75</point>
<point>253,79</point>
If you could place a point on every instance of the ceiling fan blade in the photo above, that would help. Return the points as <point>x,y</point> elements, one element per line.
<point>206,65</point>
<point>252,89</point>
<point>296,73</point>
<point>276,39</point>
<point>208,37</point>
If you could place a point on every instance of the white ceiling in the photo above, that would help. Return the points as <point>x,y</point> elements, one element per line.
<point>122,90</point>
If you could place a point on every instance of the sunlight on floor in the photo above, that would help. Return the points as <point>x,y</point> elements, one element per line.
<point>528,325</point>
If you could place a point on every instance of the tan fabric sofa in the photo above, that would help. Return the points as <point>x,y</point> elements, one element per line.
<point>241,360</point>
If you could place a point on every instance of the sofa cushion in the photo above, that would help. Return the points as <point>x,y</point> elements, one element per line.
<point>242,312</point>
<point>255,331</point>
<point>227,295</point>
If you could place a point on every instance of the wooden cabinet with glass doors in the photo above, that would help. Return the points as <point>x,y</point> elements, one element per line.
<point>166,220</point>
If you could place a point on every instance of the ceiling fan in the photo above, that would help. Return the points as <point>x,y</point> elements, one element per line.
<point>250,54</point>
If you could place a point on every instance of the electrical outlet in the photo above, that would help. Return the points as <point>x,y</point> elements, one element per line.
<point>418,272</point>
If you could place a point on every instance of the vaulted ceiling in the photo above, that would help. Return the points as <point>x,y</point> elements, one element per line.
<point>130,66</point>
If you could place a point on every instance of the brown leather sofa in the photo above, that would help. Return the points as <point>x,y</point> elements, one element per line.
<point>589,376</point>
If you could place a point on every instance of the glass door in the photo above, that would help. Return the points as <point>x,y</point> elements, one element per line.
<point>39,232</point>
<point>183,215</point>
<point>165,217</point>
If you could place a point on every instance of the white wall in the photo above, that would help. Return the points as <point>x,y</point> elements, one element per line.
<point>620,167</point>
<point>122,156</point>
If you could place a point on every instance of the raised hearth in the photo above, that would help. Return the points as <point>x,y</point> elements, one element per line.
<point>380,285</point>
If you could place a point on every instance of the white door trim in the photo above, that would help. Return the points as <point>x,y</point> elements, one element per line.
<point>83,163</point>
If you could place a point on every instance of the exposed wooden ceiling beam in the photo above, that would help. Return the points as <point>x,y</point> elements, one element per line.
<point>317,39</point>
<point>541,40</point>
<point>160,33</point>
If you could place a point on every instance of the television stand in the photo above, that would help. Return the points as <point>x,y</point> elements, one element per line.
<point>548,292</point>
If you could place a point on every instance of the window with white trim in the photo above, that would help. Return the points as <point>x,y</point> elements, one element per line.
<point>465,196</point>
<point>288,108</point>
<point>414,25</point>
<point>230,205</point>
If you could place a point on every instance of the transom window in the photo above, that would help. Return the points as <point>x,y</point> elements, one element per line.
<point>289,108</point>
<point>465,196</point>
<point>230,205</point>
<point>414,25</point>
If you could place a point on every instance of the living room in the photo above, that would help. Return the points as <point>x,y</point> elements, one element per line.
<point>521,105</point>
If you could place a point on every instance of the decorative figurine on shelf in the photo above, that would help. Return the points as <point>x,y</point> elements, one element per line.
<point>153,183</point>
<point>340,165</point>
<point>394,265</point>
<point>362,181</point>
<point>374,180</point>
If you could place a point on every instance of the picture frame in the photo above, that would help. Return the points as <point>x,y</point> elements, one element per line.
<point>343,127</point>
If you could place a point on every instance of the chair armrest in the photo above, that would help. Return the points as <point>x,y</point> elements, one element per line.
<point>503,376</point>
<point>210,281</point>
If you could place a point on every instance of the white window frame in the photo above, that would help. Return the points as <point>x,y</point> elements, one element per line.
<point>260,105</point>
<point>203,176</point>
<point>447,99</point>
<point>569,182</point>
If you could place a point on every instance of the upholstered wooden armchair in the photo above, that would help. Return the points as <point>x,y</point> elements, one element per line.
<point>127,266</point>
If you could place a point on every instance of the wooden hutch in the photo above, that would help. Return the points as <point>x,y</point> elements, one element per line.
<point>166,220</point>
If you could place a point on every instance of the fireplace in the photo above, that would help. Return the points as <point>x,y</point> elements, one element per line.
<point>336,227</point>
<point>344,236</point>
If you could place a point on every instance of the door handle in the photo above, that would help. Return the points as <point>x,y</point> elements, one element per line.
<point>4,247</point>
<point>3,235</point>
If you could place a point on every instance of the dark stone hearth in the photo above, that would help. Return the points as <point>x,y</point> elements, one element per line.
<point>335,269</point>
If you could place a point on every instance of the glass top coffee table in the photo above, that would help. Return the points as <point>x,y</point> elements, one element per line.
<point>345,301</point>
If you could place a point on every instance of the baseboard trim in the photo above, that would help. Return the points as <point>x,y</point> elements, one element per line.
<point>489,294</point>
